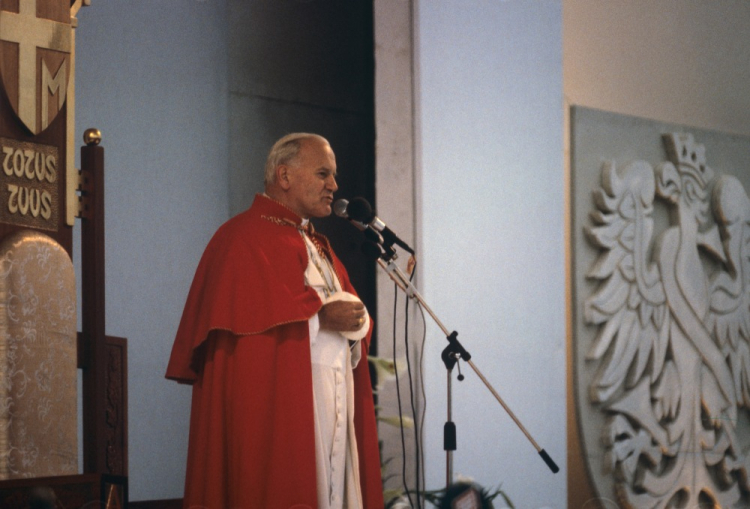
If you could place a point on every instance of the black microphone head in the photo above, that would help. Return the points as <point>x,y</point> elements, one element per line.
<point>340,206</point>
<point>360,210</point>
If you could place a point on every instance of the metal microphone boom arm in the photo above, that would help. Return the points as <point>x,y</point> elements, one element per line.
<point>453,352</point>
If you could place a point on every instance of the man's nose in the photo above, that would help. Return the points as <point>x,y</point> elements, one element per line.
<point>332,184</point>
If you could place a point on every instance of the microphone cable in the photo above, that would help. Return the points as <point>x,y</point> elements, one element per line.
<point>418,422</point>
<point>421,386</point>
<point>422,389</point>
<point>417,448</point>
<point>398,399</point>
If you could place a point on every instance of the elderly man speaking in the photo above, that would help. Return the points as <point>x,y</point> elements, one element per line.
<point>273,339</point>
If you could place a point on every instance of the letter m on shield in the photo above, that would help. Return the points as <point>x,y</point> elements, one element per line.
<point>36,40</point>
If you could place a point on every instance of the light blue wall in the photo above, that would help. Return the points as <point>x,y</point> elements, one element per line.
<point>152,77</point>
<point>492,214</point>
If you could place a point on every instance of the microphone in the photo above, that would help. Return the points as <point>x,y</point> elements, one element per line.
<point>359,211</point>
<point>339,208</point>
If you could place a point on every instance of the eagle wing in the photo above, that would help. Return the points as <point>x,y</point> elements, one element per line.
<point>629,304</point>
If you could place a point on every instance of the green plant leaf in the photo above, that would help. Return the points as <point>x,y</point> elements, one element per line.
<point>407,422</point>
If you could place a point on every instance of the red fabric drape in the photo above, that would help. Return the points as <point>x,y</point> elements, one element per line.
<point>243,343</point>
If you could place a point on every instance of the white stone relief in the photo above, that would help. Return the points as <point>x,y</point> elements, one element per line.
<point>673,346</point>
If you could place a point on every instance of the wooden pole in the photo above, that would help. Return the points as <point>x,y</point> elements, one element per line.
<point>93,308</point>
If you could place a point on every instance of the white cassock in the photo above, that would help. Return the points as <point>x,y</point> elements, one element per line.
<point>333,355</point>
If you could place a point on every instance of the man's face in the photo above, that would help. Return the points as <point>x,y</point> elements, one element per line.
<point>312,179</point>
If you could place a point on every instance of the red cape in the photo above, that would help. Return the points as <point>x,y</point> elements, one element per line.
<point>243,343</point>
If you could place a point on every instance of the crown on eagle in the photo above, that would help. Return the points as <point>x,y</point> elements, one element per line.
<point>688,157</point>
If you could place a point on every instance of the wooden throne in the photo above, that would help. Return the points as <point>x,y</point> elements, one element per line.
<point>41,352</point>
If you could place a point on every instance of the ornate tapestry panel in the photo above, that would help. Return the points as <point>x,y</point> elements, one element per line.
<point>38,367</point>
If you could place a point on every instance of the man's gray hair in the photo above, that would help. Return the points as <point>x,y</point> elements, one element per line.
<point>285,151</point>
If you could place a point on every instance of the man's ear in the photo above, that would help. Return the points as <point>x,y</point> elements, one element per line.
<point>282,176</point>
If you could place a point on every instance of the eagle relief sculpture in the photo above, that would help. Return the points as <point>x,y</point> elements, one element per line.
<point>672,351</point>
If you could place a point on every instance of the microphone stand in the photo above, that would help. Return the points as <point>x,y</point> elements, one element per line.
<point>450,356</point>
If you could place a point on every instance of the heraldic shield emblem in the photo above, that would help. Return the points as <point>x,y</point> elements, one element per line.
<point>662,239</point>
<point>35,46</point>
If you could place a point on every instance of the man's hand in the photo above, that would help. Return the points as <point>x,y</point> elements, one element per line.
<point>342,316</point>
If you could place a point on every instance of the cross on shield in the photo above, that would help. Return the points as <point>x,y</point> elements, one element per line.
<point>35,44</point>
